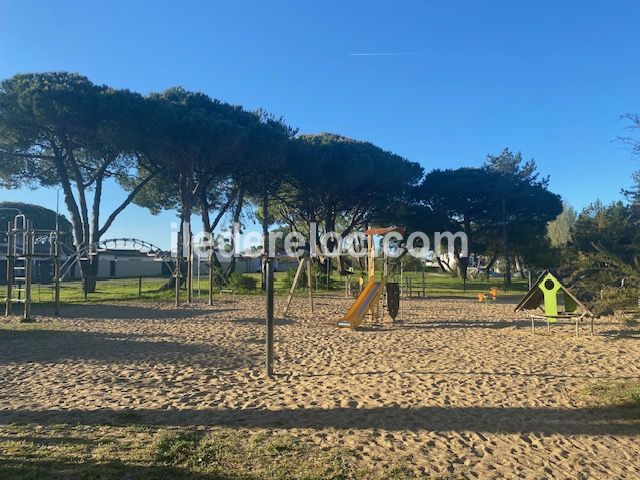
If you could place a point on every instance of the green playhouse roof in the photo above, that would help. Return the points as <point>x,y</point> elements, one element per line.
<point>535,296</point>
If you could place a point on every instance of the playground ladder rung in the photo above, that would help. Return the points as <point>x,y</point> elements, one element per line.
<point>17,300</point>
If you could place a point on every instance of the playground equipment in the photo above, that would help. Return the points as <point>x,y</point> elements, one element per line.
<point>492,295</point>
<point>305,260</point>
<point>367,306</point>
<point>22,239</point>
<point>547,294</point>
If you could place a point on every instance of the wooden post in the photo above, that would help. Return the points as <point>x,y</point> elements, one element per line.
<point>424,287</point>
<point>10,268</point>
<point>371,264</point>
<point>269,323</point>
<point>139,286</point>
<point>309,283</point>
<point>294,285</point>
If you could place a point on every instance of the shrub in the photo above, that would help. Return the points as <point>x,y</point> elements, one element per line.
<point>243,283</point>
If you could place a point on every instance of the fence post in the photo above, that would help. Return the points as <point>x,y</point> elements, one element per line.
<point>139,286</point>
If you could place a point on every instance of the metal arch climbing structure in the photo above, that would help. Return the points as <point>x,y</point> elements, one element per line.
<point>102,246</point>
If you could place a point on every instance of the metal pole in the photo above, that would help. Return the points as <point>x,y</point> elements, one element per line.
<point>199,289</point>
<point>139,286</point>
<point>177,277</point>
<point>424,287</point>
<point>190,270</point>
<point>211,280</point>
<point>269,344</point>
<point>57,273</point>
<point>10,268</point>
<point>28,238</point>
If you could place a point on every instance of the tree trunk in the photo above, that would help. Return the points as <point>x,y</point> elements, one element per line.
<point>236,221</point>
<point>490,264</point>
<point>89,273</point>
<point>507,257</point>
<point>520,266</point>
<point>505,244</point>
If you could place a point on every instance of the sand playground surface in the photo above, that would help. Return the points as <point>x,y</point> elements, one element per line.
<point>458,390</point>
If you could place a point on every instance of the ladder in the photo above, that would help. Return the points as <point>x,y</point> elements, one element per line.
<point>20,249</point>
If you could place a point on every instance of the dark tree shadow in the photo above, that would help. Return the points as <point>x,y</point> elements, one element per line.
<point>41,469</point>
<point>132,311</point>
<point>454,324</point>
<point>502,420</point>
<point>54,346</point>
<point>262,321</point>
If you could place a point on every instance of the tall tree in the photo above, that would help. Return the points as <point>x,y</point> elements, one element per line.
<point>559,230</point>
<point>60,130</point>
<point>341,183</point>
<point>266,159</point>
<point>522,204</point>
<point>459,201</point>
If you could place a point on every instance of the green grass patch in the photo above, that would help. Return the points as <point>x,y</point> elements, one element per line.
<point>615,394</point>
<point>127,289</point>
<point>250,455</point>
<point>114,452</point>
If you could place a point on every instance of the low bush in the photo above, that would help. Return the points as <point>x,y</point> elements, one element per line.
<point>243,283</point>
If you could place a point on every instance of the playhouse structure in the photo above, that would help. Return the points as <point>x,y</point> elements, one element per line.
<point>549,300</point>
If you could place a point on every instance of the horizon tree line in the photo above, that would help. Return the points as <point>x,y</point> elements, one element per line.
<point>185,151</point>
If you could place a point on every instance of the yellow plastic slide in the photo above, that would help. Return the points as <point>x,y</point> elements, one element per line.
<point>362,305</point>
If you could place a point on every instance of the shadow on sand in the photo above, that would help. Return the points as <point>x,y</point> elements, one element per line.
<point>132,311</point>
<point>54,346</point>
<point>503,420</point>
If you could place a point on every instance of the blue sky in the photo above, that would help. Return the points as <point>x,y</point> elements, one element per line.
<point>549,78</point>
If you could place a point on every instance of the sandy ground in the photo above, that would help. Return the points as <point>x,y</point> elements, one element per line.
<point>458,390</point>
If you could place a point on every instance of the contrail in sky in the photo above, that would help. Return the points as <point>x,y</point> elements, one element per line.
<point>383,54</point>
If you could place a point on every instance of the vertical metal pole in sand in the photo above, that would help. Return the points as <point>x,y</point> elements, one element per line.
<point>177,277</point>
<point>10,268</point>
<point>210,279</point>
<point>28,249</point>
<point>57,272</point>
<point>190,270</point>
<point>269,344</point>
